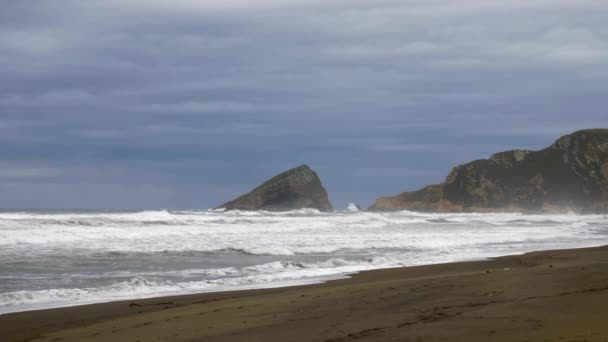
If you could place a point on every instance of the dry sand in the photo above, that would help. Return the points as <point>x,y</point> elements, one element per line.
<point>543,296</point>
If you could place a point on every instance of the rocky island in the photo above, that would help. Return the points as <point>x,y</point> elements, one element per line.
<point>297,188</point>
<point>569,175</point>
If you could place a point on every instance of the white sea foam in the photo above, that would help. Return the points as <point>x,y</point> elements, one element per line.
<point>352,207</point>
<point>140,287</point>
<point>116,255</point>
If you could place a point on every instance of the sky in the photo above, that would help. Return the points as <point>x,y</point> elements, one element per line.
<point>187,104</point>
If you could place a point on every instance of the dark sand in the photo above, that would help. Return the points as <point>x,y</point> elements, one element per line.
<point>544,296</point>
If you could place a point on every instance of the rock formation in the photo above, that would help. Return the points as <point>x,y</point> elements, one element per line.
<point>569,175</point>
<point>293,189</point>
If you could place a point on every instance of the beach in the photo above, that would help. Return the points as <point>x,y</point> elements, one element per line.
<point>539,296</point>
<point>286,171</point>
<point>58,258</point>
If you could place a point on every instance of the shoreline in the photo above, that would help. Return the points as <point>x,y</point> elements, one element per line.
<point>305,281</point>
<point>234,288</point>
<point>502,298</point>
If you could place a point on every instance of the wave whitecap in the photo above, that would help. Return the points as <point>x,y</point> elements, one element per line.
<point>118,255</point>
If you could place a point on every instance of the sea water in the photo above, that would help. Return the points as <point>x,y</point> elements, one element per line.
<point>54,258</point>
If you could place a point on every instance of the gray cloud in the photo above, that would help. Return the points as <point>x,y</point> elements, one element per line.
<point>187,103</point>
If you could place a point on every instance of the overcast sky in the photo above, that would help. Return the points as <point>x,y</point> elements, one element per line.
<point>188,103</point>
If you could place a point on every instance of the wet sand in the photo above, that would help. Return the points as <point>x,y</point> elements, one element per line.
<point>541,296</point>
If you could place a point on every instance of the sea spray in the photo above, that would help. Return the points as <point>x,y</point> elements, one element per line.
<point>61,258</point>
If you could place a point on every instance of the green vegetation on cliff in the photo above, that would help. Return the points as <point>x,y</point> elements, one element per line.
<point>296,188</point>
<point>569,175</point>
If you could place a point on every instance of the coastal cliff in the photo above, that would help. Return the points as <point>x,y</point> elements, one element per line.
<point>297,188</point>
<point>569,175</point>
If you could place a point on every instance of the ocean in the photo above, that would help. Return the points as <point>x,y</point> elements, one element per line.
<point>55,258</point>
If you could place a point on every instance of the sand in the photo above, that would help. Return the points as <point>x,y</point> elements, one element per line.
<point>542,296</point>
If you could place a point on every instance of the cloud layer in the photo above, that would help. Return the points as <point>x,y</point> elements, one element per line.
<point>188,103</point>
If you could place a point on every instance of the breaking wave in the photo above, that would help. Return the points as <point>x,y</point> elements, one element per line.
<point>225,279</point>
<point>60,258</point>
